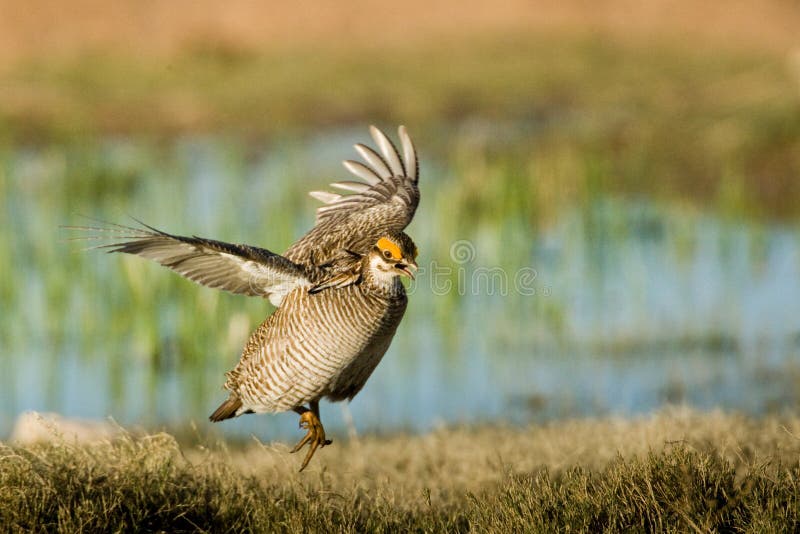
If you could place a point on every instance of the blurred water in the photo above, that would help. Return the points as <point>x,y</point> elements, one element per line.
<point>610,307</point>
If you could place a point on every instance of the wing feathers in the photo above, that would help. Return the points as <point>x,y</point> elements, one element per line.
<point>389,151</point>
<point>239,269</point>
<point>379,165</point>
<point>325,196</point>
<point>357,187</point>
<point>362,171</point>
<point>385,202</point>
<point>409,154</point>
<point>389,180</point>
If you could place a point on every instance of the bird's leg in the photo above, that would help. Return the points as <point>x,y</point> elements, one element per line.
<point>315,436</point>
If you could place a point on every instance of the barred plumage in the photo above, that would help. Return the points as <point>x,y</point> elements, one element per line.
<point>316,345</point>
<point>337,289</point>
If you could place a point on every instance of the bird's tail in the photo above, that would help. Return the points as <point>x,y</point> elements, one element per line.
<point>226,410</point>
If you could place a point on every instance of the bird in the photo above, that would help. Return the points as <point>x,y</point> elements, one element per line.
<point>337,290</point>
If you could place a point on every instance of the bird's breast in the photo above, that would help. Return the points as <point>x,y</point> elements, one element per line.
<point>314,345</point>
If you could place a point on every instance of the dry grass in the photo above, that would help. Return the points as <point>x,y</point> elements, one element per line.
<point>675,471</point>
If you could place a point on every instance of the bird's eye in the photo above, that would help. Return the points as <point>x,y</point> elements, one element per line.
<point>387,254</point>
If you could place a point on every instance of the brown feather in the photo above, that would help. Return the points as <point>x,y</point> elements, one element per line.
<point>226,410</point>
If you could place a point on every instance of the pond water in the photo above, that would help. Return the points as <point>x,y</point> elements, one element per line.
<point>610,307</point>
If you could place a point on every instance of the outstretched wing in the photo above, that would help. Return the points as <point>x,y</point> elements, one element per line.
<point>240,269</point>
<point>383,201</point>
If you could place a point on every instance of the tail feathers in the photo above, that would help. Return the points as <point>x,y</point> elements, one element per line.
<point>226,410</point>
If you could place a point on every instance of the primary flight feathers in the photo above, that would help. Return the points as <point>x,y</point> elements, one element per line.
<point>240,269</point>
<point>384,202</point>
<point>391,181</point>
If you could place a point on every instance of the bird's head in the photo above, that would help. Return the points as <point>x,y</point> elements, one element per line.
<point>393,255</point>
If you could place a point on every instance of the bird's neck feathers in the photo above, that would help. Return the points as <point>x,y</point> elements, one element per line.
<point>378,276</point>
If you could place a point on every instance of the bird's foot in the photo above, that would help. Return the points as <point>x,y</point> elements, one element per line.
<point>315,437</point>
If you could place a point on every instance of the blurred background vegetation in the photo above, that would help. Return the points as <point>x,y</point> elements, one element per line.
<point>643,160</point>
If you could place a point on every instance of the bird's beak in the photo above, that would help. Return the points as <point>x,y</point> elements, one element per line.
<point>408,269</point>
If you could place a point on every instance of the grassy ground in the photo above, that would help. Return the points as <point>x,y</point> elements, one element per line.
<point>675,471</point>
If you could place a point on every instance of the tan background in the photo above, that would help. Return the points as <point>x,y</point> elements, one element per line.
<point>56,28</point>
